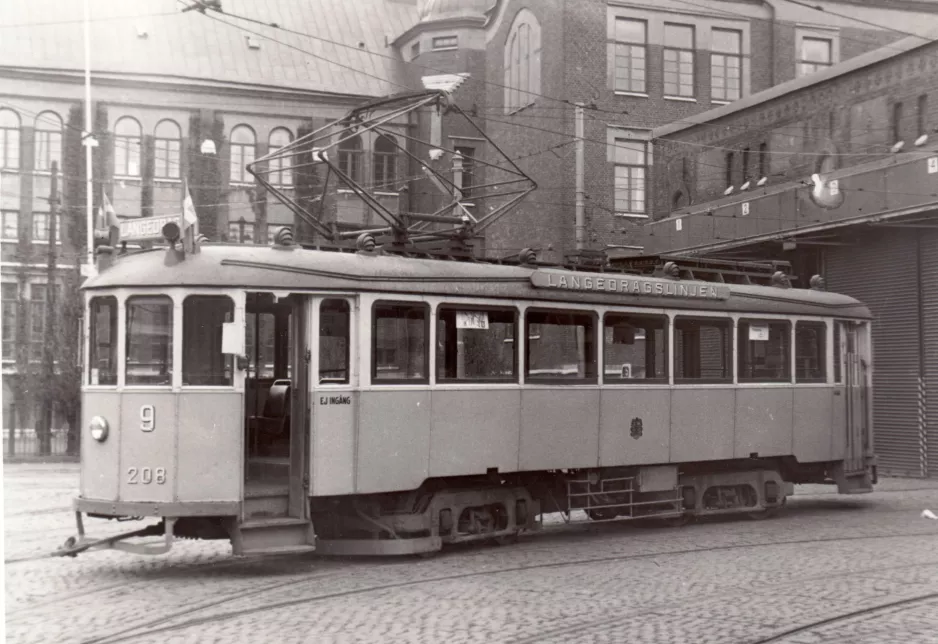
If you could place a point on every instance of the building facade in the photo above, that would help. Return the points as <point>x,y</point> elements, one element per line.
<point>836,174</point>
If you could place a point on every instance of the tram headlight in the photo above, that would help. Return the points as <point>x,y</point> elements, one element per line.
<point>98,427</point>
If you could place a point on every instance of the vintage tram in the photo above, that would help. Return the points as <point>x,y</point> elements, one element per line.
<point>292,399</point>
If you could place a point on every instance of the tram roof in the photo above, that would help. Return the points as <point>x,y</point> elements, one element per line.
<point>265,268</point>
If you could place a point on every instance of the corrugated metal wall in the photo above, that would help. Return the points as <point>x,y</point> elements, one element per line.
<point>929,253</point>
<point>881,269</point>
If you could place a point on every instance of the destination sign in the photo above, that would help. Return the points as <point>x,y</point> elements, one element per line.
<point>628,285</point>
<point>145,227</point>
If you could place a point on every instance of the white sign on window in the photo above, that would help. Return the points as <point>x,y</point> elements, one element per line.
<point>232,338</point>
<point>745,208</point>
<point>472,320</point>
<point>932,165</point>
<point>678,224</point>
<point>834,187</point>
<point>759,332</point>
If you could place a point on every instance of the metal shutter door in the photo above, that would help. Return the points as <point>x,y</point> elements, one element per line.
<point>929,250</point>
<point>881,271</point>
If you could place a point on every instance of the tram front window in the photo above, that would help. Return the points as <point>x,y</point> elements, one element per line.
<point>149,341</point>
<point>102,365</point>
<point>203,363</point>
<point>334,342</point>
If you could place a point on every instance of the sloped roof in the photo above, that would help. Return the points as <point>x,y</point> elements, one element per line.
<point>48,34</point>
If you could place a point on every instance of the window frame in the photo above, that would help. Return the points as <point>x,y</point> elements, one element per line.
<point>124,379</point>
<point>244,178</point>
<point>679,50</point>
<point>128,148</point>
<point>350,157</point>
<point>5,217</point>
<point>822,326</point>
<point>279,169</point>
<point>658,380</point>
<point>171,151</point>
<point>806,66</point>
<point>729,352</point>
<point>522,62</point>
<point>48,143</point>
<point>725,66</point>
<point>385,163</point>
<point>443,43</point>
<point>11,307</point>
<point>427,324</point>
<point>629,89</point>
<point>592,356</point>
<point>350,331</point>
<point>10,142</point>
<point>228,359</point>
<point>630,189</point>
<point>787,376</point>
<point>115,343</point>
<point>515,357</point>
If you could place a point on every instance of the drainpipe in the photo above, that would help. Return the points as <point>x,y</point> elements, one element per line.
<point>768,3</point>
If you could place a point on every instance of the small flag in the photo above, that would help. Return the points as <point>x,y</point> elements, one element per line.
<point>110,215</point>
<point>928,514</point>
<point>189,216</point>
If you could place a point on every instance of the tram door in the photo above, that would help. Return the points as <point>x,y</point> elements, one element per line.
<point>275,403</point>
<point>856,393</point>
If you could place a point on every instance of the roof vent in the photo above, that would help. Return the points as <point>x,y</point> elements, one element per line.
<point>745,186</point>
<point>921,140</point>
<point>728,191</point>
<point>897,146</point>
<point>762,181</point>
<point>252,42</point>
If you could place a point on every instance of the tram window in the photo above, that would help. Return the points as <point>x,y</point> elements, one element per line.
<point>810,352</point>
<point>203,363</point>
<point>103,363</point>
<point>334,342</point>
<point>764,351</point>
<point>703,350</point>
<point>399,343</point>
<point>561,346</point>
<point>838,357</point>
<point>475,345</point>
<point>260,344</point>
<point>636,348</point>
<point>149,341</point>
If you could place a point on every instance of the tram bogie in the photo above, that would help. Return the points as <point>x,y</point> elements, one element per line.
<point>369,404</point>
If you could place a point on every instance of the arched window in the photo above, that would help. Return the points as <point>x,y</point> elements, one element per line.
<point>385,163</point>
<point>243,145</point>
<point>48,140</point>
<point>350,157</point>
<point>9,140</point>
<point>167,144</point>
<point>522,61</point>
<point>128,135</point>
<point>281,173</point>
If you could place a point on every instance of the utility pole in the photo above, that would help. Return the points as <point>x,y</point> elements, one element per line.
<point>580,182</point>
<point>89,142</point>
<point>48,340</point>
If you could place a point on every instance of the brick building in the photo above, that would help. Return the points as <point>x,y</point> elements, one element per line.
<point>634,66</point>
<point>867,222</point>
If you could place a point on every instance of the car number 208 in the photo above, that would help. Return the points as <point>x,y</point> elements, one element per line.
<point>146,475</point>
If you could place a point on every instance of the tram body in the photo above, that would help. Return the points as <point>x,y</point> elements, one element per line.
<point>294,400</point>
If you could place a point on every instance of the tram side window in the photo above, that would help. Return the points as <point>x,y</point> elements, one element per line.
<point>149,341</point>
<point>103,363</point>
<point>636,348</point>
<point>399,343</point>
<point>203,363</point>
<point>475,345</point>
<point>561,345</point>
<point>703,350</point>
<point>838,353</point>
<point>334,342</point>
<point>810,352</point>
<point>764,351</point>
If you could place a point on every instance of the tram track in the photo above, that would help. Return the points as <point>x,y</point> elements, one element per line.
<point>160,626</point>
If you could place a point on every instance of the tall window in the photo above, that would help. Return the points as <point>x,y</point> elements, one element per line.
<point>203,363</point>
<point>522,61</point>
<point>281,174</point>
<point>400,338</point>
<point>726,64</point>
<point>350,157</point>
<point>37,319</point>
<point>896,125</point>
<point>816,53</point>
<point>922,121</point>
<point>385,162</point>
<point>467,170</point>
<point>730,167</point>
<point>243,146</point>
<point>764,351</point>
<point>334,339</point>
<point>167,144</point>
<point>810,353</point>
<point>41,230</point>
<point>746,173</point>
<point>48,140</point>
<point>631,162</point>
<point>678,60</point>
<point>9,140</point>
<point>9,225</point>
<point>149,341</point>
<point>631,40</point>
<point>703,350</point>
<point>128,137</point>
<point>102,366</point>
<point>10,304</point>
<point>763,160</point>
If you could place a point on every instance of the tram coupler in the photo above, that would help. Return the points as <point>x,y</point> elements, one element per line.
<point>81,542</point>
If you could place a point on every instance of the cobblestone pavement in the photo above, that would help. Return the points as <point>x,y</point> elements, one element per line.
<point>858,570</point>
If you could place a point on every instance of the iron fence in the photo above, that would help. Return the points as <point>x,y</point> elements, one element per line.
<point>28,443</point>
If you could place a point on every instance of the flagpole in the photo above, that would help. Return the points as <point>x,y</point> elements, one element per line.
<point>88,142</point>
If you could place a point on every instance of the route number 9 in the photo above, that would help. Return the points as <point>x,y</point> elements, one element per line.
<point>147,418</point>
<point>146,475</point>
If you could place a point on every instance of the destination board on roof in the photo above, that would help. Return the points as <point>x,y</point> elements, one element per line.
<point>629,285</point>
<point>145,228</point>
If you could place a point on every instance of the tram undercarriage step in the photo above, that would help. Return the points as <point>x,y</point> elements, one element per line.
<point>273,536</point>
